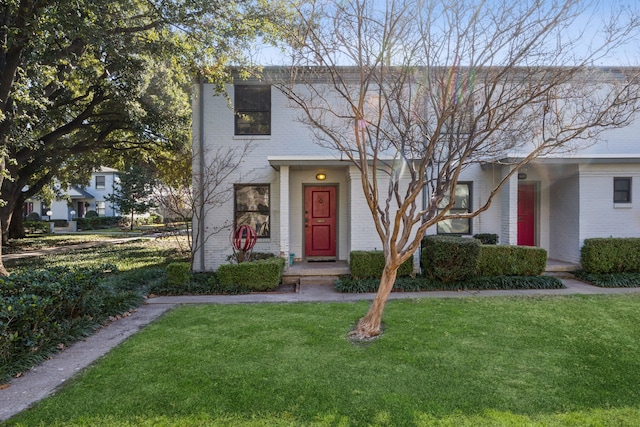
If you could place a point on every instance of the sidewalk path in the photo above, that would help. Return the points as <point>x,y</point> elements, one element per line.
<point>44,379</point>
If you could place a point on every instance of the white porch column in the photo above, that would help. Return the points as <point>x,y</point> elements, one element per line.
<point>284,212</point>
<point>509,192</point>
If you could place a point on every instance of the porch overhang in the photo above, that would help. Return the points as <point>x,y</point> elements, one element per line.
<point>595,159</point>
<point>79,193</point>
<point>306,161</point>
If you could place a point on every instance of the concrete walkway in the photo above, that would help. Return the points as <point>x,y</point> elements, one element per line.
<point>44,379</point>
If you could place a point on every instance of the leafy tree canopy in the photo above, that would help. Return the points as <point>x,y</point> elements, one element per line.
<point>84,83</point>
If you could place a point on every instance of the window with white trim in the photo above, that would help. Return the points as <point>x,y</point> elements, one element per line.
<point>462,204</point>
<point>252,207</point>
<point>100,182</point>
<point>101,208</point>
<point>252,109</point>
<point>621,190</point>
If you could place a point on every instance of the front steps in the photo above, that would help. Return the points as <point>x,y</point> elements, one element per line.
<point>315,273</point>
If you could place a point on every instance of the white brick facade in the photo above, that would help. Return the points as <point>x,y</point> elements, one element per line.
<point>573,200</point>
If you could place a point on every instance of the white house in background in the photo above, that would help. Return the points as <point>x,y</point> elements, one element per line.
<point>554,202</point>
<point>82,199</point>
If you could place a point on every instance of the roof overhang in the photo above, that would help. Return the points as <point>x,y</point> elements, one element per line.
<point>595,159</point>
<point>78,193</point>
<point>306,161</point>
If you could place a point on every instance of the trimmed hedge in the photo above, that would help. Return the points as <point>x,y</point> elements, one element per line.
<point>405,284</point>
<point>610,255</point>
<point>178,273</point>
<point>370,264</point>
<point>91,222</point>
<point>450,259</point>
<point>487,238</point>
<point>262,275</point>
<point>506,260</point>
<point>37,227</point>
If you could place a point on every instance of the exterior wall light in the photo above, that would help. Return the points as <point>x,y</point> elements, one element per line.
<point>321,177</point>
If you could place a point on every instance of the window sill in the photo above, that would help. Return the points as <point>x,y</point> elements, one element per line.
<point>622,205</point>
<point>251,137</point>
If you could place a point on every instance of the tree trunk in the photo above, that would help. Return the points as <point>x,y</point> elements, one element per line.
<point>3,270</point>
<point>16,224</point>
<point>368,327</point>
<point>132,220</point>
<point>10,194</point>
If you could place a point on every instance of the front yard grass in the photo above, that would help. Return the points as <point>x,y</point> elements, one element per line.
<point>500,361</point>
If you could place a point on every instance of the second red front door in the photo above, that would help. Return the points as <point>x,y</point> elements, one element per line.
<point>526,214</point>
<point>320,221</point>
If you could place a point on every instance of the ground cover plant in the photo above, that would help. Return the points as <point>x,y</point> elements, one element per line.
<point>569,360</point>
<point>44,241</point>
<point>51,301</point>
<point>127,256</point>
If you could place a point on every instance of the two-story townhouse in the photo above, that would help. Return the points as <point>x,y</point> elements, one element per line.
<point>307,199</point>
<point>77,201</point>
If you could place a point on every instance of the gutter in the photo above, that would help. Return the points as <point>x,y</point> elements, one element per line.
<point>201,227</point>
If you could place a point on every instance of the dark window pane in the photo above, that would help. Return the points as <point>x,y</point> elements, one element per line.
<point>252,109</point>
<point>622,190</point>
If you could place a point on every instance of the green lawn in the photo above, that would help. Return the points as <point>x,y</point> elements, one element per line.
<point>451,362</point>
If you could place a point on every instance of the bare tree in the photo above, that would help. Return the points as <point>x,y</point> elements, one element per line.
<point>193,198</point>
<point>414,92</point>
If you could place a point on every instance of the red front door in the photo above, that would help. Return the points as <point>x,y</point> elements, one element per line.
<point>526,214</point>
<point>320,221</point>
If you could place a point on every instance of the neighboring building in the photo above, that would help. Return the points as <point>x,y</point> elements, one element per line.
<point>82,199</point>
<point>554,202</point>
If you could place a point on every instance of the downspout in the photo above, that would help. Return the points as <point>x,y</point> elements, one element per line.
<point>201,228</point>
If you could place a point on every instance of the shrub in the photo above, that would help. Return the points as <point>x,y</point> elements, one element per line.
<point>260,275</point>
<point>406,284</point>
<point>33,216</point>
<point>506,260</point>
<point>611,255</point>
<point>450,259</point>
<point>370,264</point>
<point>36,227</point>
<point>62,223</point>
<point>93,222</point>
<point>487,238</point>
<point>178,273</point>
<point>91,214</point>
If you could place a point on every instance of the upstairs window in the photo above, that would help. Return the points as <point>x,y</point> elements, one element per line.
<point>462,204</point>
<point>621,190</point>
<point>100,182</point>
<point>252,109</point>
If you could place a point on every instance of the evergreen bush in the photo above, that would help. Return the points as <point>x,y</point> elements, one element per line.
<point>610,255</point>
<point>178,273</point>
<point>370,264</point>
<point>506,260</point>
<point>450,259</point>
<point>262,275</point>
<point>487,238</point>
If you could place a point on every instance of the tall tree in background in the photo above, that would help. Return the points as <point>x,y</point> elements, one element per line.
<point>414,92</point>
<point>82,82</point>
<point>134,190</point>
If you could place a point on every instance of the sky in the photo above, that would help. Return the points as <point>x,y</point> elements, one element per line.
<point>584,29</point>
